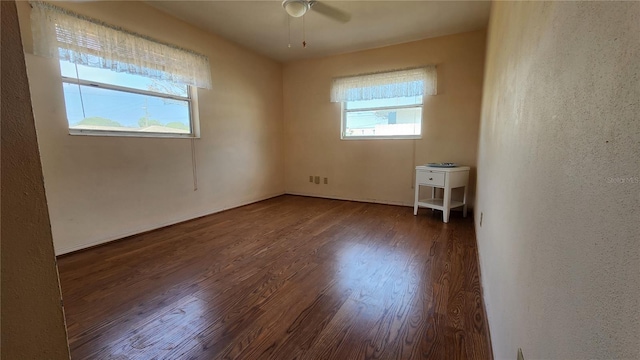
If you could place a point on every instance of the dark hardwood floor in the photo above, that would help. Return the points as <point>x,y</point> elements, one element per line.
<point>286,278</point>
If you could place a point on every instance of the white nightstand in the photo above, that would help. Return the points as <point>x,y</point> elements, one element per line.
<point>446,178</point>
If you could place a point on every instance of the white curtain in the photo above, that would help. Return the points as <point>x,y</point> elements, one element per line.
<point>385,85</point>
<point>81,40</point>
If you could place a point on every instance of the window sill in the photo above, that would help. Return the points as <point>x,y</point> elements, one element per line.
<point>131,134</point>
<point>408,137</point>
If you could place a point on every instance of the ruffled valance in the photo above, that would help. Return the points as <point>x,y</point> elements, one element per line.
<point>385,85</point>
<point>86,41</point>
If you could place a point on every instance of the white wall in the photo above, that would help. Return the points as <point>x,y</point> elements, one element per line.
<point>559,180</point>
<point>104,188</point>
<point>382,170</point>
<point>32,325</point>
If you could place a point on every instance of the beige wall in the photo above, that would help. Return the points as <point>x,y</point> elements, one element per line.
<point>32,315</point>
<point>104,188</point>
<point>559,180</point>
<point>381,170</point>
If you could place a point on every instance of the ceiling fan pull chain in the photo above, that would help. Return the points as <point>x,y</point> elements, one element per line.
<point>304,36</point>
<point>289,25</point>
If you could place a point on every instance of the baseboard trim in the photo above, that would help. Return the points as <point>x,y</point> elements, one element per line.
<point>374,201</point>
<point>144,229</point>
<point>482,291</point>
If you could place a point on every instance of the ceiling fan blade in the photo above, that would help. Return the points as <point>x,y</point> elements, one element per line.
<point>330,11</point>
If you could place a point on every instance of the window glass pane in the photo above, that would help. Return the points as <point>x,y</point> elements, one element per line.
<point>391,122</point>
<point>399,101</point>
<point>112,110</point>
<point>107,76</point>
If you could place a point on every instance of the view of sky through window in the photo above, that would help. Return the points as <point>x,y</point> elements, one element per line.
<point>99,108</point>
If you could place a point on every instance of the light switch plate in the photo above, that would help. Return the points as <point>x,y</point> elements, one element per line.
<point>317,179</point>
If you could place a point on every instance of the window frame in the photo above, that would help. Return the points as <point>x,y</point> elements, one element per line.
<point>191,99</point>
<point>343,122</point>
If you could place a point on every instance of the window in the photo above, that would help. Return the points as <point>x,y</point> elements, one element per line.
<point>104,102</point>
<point>384,105</point>
<point>116,82</point>
<point>399,117</point>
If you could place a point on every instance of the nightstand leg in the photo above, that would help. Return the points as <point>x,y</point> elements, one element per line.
<point>415,202</point>
<point>433,195</point>
<point>464,200</point>
<point>446,203</point>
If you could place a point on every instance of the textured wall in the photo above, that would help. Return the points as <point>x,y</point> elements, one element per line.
<point>105,188</point>
<point>382,170</point>
<point>559,180</point>
<point>32,318</point>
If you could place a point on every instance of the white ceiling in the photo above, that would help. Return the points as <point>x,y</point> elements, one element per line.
<point>262,25</point>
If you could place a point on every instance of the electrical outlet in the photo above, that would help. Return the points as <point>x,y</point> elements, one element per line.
<point>481,216</point>
<point>326,181</point>
<point>310,178</point>
<point>520,356</point>
<point>317,180</point>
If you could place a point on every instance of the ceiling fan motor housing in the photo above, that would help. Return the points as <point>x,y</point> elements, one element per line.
<point>296,8</point>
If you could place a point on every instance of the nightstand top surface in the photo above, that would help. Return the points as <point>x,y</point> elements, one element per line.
<point>444,169</point>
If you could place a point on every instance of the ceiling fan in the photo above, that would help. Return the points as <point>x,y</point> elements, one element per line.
<point>297,8</point>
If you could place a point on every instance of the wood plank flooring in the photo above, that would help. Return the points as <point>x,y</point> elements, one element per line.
<point>287,278</point>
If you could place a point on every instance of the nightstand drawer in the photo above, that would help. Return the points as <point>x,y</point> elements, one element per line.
<point>430,178</point>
